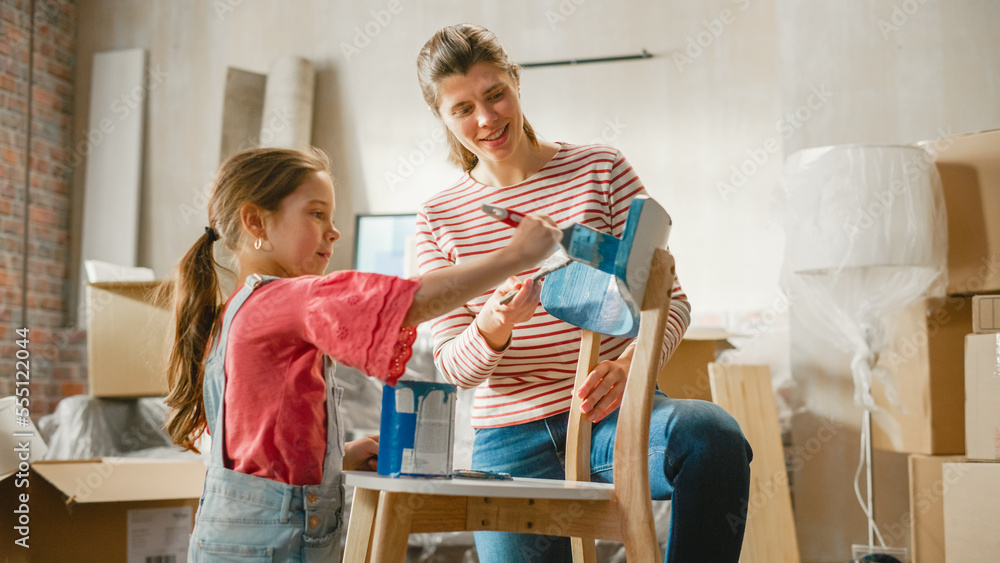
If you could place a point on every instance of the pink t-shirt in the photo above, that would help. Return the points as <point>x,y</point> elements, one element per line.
<point>275,403</point>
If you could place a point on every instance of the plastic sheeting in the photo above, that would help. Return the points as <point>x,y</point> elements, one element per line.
<point>866,236</point>
<point>84,427</point>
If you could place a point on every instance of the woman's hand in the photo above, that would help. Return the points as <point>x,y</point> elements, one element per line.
<point>603,389</point>
<point>361,455</point>
<point>496,322</point>
<point>535,238</point>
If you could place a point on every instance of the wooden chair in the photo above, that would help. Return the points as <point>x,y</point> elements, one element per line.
<point>387,510</point>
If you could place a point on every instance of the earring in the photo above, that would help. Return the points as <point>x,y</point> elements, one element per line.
<point>257,244</point>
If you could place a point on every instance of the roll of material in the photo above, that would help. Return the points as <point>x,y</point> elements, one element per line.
<point>288,104</point>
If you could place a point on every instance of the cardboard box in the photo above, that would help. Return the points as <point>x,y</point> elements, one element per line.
<point>927,366</point>
<point>100,509</point>
<point>982,396</point>
<point>986,314</point>
<point>969,166</point>
<point>971,512</point>
<point>128,339</point>
<point>927,484</point>
<point>686,374</point>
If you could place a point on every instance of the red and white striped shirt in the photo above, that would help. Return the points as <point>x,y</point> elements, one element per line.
<point>533,377</point>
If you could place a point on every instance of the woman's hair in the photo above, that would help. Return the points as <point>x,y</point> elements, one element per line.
<point>454,50</point>
<point>259,177</point>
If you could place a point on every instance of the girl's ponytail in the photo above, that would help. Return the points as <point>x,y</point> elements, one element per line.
<point>259,177</point>
<point>197,313</point>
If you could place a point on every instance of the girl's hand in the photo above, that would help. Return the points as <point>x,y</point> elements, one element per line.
<point>603,389</point>
<point>361,455</point>
<point>535,239</point>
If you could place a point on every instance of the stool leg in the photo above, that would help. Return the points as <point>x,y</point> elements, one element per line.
<point>359,530</point>
<point>584,550</point>
<point>392,527</point>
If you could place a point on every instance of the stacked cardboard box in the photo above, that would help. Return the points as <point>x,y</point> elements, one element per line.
<point>685,376</point>
<point>948,379</point>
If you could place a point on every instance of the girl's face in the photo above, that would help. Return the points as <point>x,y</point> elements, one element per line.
<point>301,233</point>
<point>482,109</point>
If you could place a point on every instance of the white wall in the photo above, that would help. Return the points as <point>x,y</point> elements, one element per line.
<point>682,125</point>
<point>719,97</point>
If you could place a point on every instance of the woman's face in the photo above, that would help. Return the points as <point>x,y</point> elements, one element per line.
<point>481,108</point>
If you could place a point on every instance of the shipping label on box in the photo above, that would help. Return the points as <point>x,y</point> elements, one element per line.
<point>986,314</point>
<point>982,396</point>
<point>159,534</point>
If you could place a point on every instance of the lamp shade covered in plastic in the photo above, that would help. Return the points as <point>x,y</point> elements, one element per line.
<point>863,205</point>
<point>866,237</point>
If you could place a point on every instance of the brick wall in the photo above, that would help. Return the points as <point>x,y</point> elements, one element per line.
<point>57,352</point>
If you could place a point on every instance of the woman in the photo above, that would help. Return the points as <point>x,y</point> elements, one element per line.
<point>520,359</point>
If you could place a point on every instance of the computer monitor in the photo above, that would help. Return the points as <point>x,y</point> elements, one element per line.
<point>384,244</point>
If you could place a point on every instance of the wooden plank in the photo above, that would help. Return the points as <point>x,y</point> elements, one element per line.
<point>242,111</point>
<point>745,392</point>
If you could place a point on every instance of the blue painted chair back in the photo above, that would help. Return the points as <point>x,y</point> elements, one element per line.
<point>609,303</point>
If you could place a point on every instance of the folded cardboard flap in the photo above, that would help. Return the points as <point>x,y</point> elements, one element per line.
<point>128,338</point>
<point>117,479</point>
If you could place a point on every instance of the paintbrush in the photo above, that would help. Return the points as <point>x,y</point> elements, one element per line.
<point>578,243</point>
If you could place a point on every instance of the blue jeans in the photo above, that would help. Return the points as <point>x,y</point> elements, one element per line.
<point>698,459</point>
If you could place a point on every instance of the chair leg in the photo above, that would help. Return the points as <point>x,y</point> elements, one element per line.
<point>584,550</point>
<point>640,542</point>
<point>359,529</point>
<point>392,528</point>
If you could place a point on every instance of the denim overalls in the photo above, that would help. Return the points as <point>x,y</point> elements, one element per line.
<point>249,518</point>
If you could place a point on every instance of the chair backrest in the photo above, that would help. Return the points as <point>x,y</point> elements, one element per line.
<point>631,470</point>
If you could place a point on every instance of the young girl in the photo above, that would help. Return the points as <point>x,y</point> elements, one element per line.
<point>257,372</point>
<point>520,359</point>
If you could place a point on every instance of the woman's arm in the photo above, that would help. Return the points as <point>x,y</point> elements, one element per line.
<point>448,288</point>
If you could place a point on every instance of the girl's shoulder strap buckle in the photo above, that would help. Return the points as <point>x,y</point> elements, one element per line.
<point>254,281</point>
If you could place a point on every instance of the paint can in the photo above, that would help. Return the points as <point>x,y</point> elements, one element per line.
<point>417,434</point>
